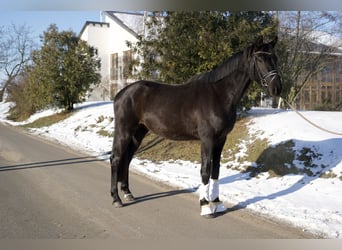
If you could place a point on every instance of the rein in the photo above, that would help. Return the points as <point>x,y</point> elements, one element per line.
<point>312,123</point>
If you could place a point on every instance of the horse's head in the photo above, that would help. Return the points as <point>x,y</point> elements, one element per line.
<point>263,66</point>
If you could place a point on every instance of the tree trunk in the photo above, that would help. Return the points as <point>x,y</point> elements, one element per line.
<point>3,90</point>
<point>1,94</point>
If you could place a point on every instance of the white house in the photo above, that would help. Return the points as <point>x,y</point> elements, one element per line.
<point>109,36</point>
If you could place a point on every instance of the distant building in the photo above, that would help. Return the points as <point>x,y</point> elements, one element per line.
<point>109,36</point>
<point>324,89</point>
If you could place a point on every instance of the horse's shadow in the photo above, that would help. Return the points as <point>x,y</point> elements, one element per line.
<point>160,195</point>
<point>52,163</point>
<point>314,159</point>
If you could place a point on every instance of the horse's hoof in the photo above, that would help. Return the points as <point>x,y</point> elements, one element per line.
<point>207,211</point>
<point>212,209</point>
<point>128,197</point>
<point>209,216</point>
<point>219,208</point>
<point>117,204</point>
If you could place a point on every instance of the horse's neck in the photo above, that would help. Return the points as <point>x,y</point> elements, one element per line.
<point>232,88</point>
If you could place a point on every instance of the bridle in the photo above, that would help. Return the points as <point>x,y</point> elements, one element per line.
<point>263,78</point>
<point>272,74</point>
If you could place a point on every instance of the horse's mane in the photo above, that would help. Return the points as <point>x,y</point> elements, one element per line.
<point>224,69</point>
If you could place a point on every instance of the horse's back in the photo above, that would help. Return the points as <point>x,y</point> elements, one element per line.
<point>149,91</point>
<point>133,97</point>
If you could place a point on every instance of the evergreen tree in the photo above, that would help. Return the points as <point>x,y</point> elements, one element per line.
<point>179,45</point>
<point>64,68</point>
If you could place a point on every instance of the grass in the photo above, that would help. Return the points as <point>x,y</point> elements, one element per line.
<point>276,161</point>
<point>105,133</point>
<point>165,150</point>
<point>329,174</point>
<point>240,134</point>
<point>48,120</point>
<point>190,150</point>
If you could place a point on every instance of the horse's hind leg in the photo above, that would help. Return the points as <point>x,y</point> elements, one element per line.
<point>117,161</point>
<point>132,148</point>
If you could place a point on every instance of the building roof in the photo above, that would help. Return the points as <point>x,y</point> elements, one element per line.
<point>133,22</point>
<point>318,42</point>
<point>327,39</point>
<point>87,23</point>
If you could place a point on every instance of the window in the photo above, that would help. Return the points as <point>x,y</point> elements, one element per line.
<point>127,63</point>
<point>323,93</point>
<point>338,71</point>
<point>307,96</point>
<point>327,73</point>
<point>329,93</point>
<point>313,94</point>
<point>114,66</point>
<point>338,94</point>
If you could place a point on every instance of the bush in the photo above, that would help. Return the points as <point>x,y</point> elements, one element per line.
<point>28,96</point>
<point>19,94</point>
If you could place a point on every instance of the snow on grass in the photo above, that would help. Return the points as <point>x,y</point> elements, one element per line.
<point>312,202</point>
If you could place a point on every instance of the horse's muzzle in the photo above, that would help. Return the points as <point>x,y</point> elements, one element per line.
<point>275,87</point>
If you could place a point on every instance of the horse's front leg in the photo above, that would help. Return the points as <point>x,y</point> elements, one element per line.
<point>214,190</point>
<point>206,168</point>
<point>210,169</point>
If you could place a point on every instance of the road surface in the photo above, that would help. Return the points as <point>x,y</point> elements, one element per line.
<point>50,191</point>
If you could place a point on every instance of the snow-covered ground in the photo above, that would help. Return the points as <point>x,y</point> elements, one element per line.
<point>309,202</point>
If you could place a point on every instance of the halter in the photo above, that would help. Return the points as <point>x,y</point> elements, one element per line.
<point>263,79</point>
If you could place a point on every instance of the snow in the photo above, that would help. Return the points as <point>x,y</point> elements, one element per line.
<point>308,202</point>
<point>134,21</point>
<point>325,38</point>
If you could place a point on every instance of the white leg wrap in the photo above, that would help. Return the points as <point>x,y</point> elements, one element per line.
<point>204,192</point>
<point>218,207</point>
<point>128,197</point>
<point>210,192</point>
<point>213,189</point>
<point>207,209</point>
<point>212,208</point>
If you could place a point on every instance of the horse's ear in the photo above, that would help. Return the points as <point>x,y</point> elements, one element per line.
<point>259,42</point>
<point>274,41</point>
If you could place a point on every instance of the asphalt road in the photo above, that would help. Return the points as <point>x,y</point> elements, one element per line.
<point>50,191</point>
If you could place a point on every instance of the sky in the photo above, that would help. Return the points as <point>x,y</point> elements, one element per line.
<point>172,4</point>
<point>39,21</point>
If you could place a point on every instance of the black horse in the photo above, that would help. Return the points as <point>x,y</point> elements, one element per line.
<point>202,109</point>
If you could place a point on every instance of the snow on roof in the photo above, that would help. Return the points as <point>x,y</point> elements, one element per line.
<point>320,39</point>
<point>132,21</point>
<point>325,38</point>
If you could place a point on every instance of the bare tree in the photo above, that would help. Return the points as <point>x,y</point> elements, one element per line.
<point>303,51</point>
<point>16,45</point>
